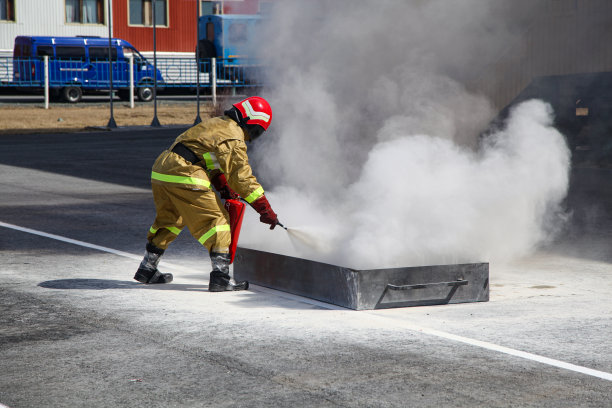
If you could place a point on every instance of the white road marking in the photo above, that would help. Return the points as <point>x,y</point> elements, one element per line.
<point>432,332</point>
<point>506,350</point>
<point>85,244</point>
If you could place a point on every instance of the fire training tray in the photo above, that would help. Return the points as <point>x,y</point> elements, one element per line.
<point>364,289</point>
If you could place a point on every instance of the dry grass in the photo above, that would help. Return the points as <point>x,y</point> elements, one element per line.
<point>69,118</point>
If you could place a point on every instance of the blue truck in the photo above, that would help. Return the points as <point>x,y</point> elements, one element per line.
<point>232,39</point>
<point>78,64</point>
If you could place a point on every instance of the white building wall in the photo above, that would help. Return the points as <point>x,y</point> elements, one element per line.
<point>44,17</point>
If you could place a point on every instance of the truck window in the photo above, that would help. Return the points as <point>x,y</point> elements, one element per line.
<point>42,50</point>
<point>70,52</point>
<point>138,59</point>
<point>18,51</point>
<point>127,52</point>
<point>101,53</point>
<point>210,32</point>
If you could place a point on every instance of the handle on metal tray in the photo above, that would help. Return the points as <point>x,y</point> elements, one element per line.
<point>459,282</point>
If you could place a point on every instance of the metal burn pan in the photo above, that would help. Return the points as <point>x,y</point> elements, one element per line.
<point>365,289</point>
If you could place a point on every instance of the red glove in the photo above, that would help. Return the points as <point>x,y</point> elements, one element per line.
<point>225,191</point>
<point>267,216</point>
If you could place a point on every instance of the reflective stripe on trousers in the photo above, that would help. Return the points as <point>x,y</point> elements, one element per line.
<point>173,230</point>
<point>212,232</point>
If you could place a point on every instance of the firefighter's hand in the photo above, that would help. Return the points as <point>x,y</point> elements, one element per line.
<point>225,191</point>
<point>266,215</point>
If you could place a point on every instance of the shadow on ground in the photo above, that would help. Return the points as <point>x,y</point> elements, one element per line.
<point>105,284</point>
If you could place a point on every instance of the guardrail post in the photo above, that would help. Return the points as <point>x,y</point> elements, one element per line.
<point>213,81</point>
<point>198,119</point>
<point>131,58</point>
<point>111,121</point>
<point>155,121</point>
<point>46,57</point>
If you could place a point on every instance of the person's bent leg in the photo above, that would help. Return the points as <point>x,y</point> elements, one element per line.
<point>208,222</point>
<point>166,227</point>
<point>147,271</point>
<point>219,277</point>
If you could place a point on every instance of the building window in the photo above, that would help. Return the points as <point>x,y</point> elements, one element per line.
<point>7,10</point>
<point>85,11</point>
<point>206,7</point>
<point>141,12</point>
<point>211,7</point>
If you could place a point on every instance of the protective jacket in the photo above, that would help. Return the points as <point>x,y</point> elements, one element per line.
<point>182,189</point>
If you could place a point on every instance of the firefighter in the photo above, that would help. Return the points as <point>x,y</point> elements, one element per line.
<point>211,153</point>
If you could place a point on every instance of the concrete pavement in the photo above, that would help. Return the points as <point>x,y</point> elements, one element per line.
<point>76,330</point>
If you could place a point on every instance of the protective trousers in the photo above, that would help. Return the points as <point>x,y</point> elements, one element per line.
<point>200,211</point>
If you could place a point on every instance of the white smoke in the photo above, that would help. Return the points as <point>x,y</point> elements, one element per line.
<point>373,143</point>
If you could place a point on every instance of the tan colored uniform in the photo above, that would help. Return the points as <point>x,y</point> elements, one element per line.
<point>182,191</point>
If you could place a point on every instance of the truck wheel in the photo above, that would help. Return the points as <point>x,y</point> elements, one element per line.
<point>124,94</point>
<point>72,94</point>
<point>145,93</point>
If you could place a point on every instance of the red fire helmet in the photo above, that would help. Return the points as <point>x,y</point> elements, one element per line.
<point>257,110</point>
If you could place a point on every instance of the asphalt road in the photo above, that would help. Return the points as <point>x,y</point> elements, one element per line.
<point>77,331</point>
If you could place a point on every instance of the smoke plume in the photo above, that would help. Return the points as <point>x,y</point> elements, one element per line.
<point>375,149</point>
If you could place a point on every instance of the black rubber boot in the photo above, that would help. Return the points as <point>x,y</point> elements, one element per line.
<point>220,278</point>
<point>147,271</point>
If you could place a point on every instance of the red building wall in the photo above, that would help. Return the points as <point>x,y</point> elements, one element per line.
<point>241,7</point>
<point>180,34</point>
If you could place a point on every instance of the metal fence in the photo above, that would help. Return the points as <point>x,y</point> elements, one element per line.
<point>94,74</point>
